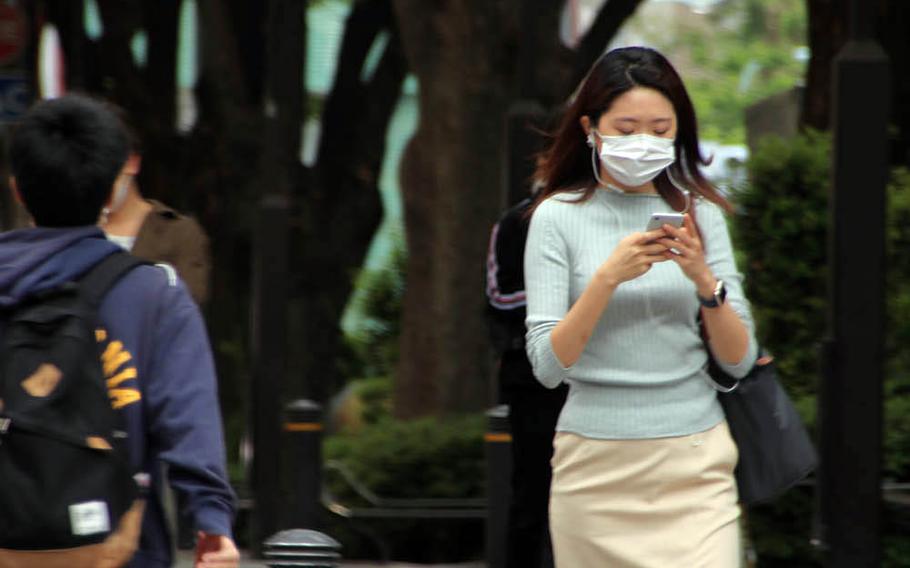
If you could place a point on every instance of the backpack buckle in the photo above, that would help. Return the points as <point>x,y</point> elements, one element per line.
<point>4,425</point>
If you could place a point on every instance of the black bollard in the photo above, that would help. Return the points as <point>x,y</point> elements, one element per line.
<point>303,444</point>
<point>301,548</point>
<point>269,352</point>
<point>499,483</point>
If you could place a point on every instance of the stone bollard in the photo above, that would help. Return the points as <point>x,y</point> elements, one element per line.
<point>301,548</point>
<point>303,444</point>
<point>499,483</point>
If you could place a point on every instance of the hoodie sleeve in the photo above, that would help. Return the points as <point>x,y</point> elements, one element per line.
<point>184,419</point>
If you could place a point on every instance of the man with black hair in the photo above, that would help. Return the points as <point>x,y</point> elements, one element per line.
<point>68,159</point>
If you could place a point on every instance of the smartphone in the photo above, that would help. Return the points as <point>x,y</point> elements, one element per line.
<point>658,220</point>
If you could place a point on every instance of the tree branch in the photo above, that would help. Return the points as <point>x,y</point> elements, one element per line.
<point>161,23</point>
<point>608,21</point>
<point>285,65</point>
<point>350,178</point>
<point>119,78</point>
<point>339,117</point>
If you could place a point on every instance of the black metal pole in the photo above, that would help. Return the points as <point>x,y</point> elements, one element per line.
<point>499,484</point>
<point>850,396</point>
<point>269,338</point>
<point>303,438</point>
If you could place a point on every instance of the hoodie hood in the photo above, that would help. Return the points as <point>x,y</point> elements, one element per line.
<point>36,259</point>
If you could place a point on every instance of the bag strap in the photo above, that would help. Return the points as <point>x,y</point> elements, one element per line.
<point>96,283</point>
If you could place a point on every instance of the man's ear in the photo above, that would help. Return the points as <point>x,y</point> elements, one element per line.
<point>133,165</point>
<point>14,188</point>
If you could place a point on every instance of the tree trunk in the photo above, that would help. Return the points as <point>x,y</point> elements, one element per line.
<point>463,57</point>
<point>473,59</point>
<point>544,63</point>
<point>115,74</point>
<point>342,198</point>
<point>611,17</point>
<point>157,122</point>
<point>827,33</point>
<point>894,38</point>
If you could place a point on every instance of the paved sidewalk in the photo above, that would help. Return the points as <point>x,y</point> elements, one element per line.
<point>185,560</point>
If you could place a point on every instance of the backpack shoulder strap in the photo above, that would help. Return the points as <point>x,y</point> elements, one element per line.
<point>97,281</point>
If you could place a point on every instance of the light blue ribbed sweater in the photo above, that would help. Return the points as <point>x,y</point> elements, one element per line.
<point>642,373</point>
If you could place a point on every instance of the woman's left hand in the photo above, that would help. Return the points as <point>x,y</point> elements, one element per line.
<point>689,255</point>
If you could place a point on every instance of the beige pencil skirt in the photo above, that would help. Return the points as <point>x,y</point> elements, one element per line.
<point>656,503</point>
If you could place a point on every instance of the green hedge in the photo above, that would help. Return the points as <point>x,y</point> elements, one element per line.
<point>780,231</point>
<point>426,458</point>
<point>781,234</point>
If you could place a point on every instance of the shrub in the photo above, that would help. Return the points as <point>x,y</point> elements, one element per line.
<point>781,232</point>
<point>426,458</point>
<point>372,351</point>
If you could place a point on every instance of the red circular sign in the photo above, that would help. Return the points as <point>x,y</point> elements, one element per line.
<point>12,33</point>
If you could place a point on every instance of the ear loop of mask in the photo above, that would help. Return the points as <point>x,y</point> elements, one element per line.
<point>594,164</point>
<point>686,194</point>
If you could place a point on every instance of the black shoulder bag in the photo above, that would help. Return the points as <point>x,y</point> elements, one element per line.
<point>775,450</point>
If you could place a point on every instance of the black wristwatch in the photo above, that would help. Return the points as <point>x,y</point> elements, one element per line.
<point>720,294</point>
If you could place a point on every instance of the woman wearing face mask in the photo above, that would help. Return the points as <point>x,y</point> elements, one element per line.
<point>643,462</point>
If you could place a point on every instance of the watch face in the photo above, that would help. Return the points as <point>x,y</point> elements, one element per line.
<point>720,293</point>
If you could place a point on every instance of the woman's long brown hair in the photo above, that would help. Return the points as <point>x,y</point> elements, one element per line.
<point>566,164</point>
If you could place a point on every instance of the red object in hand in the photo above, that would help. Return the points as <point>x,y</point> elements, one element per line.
<point>206,543</point>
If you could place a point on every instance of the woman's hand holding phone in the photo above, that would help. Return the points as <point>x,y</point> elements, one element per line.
<point>689,255</point>
<point>634,256</point>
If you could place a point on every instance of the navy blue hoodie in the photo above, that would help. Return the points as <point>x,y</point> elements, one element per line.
<point>159,370</point>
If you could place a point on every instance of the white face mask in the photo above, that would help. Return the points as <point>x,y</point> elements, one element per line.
<point>633,160</point>
<point>119,196</point>
<point>120,193</point>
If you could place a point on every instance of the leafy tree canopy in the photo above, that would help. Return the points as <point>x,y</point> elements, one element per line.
<point>731,55</point>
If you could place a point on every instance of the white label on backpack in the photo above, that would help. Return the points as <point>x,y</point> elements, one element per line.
<point>90,517</point>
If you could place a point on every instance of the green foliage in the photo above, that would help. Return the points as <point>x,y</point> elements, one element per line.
<point>430,457</point>
<point>373,351</point>
<point>781,231</point>
<point>427,458</point>
<point>897,432</point>
<point>780,531</point>
<point>363,402</point>
<point>738,54</point>
<point>897,281</point>
<point>375,395</point>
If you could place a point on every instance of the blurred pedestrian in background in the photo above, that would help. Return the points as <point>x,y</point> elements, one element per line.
<point>155,232</point>
<point>533,409</point>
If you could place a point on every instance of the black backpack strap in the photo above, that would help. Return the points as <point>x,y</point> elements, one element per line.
<point>97,281</point>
